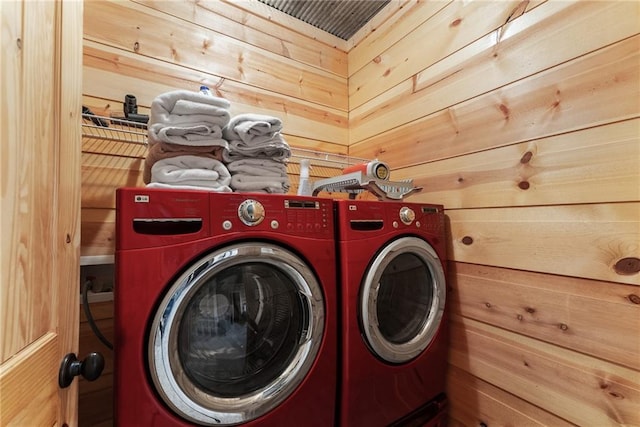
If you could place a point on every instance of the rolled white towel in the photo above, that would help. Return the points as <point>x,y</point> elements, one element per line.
<point>191,171</point>
<point>252,128</point>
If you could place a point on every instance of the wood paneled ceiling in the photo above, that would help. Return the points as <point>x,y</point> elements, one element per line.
<point>342,18</point>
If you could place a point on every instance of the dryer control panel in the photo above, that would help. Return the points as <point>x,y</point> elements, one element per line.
<point>363,218</point>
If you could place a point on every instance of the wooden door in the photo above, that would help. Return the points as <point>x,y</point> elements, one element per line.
<point>41,92</point>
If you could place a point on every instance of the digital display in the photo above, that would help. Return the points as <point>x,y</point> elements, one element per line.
<point>301,204</point>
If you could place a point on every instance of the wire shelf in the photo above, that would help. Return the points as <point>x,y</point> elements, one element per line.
<point>112,129</point>
<point>112,136</point>
<point>322,159</point>
<point>99,131</point>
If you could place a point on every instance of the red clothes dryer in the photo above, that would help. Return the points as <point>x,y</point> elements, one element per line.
<point>394,335</point>
<point>225,309</point>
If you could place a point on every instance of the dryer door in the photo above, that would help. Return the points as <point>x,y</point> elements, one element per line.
<point>236,334</point>
<point>402,300</point>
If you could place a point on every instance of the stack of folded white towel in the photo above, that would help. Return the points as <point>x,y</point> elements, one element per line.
<point>186,143</point>
<point>257,154</point>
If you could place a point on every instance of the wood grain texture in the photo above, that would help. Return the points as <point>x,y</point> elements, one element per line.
<point>598,318</point>
<point>110,73</point>
<point>453,25</point>
<point>599,164</point>
<point>98,231</point>
<point>28,395</point>
<point>29,168</point>
<point>513,51</point>
<point>574,240</point>
<point>145,31</point>
<point>40,208</point>
<point>556,100</point>
<point>484,66</point>
<point>248,25</point>
<point>409,17</point>
<point>68,107</point>
<point>96,398</point>
<point>578,388</point>
<point>474,402</point>
<point>98,410</point>
<point>103,174</point>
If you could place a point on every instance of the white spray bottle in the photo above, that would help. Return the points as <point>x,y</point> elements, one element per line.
<point>304,186</point>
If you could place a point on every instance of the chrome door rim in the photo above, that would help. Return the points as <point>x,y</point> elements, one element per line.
<point>383,348</point>
<point>184,397</point>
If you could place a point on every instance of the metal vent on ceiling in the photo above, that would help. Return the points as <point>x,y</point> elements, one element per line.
<point>342,18</point>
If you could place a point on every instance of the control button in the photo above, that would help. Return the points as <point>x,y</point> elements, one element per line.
<point>407,215</point>
<point>251,212</point>
<point>274,224</point>
<point>227,225</point>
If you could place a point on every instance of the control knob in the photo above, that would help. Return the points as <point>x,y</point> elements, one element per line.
<point>251,212</point>
<point>407,215</point>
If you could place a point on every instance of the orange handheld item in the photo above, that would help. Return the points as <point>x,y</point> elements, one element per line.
<point>376,169</point>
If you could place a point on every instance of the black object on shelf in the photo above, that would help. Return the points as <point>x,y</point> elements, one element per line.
<point>95,119</point>
<point>130,108</point>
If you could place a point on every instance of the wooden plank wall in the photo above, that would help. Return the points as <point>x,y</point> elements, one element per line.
<point>523,119</point>
<point>258,59</point>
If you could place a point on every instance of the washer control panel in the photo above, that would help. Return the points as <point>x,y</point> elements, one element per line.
<point>296,215</point>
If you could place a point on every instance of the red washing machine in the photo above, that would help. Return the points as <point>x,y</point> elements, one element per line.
<point>225,309</point>
<point>394,333</point>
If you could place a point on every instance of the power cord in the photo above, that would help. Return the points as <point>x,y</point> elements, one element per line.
<point>88,284</point>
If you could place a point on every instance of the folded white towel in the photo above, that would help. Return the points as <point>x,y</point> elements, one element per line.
<point>186,105</point>
<point>245,183</point>
<point>257,167</point>
<point>275,149</point>
<point>221,189</point>
<point>192,171</point>
<point>187,112</point>
<point>188,102</point>
<point>195,136</point>
<point>252,128</point>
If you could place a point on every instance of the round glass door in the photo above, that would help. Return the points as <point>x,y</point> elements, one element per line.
<point>402,300</point>
<point>236,334</point>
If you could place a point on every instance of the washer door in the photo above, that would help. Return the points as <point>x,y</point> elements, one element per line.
<point>402,300</point>
<point>236,334</point>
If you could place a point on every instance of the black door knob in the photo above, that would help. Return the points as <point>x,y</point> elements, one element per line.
<point>90,368</point>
